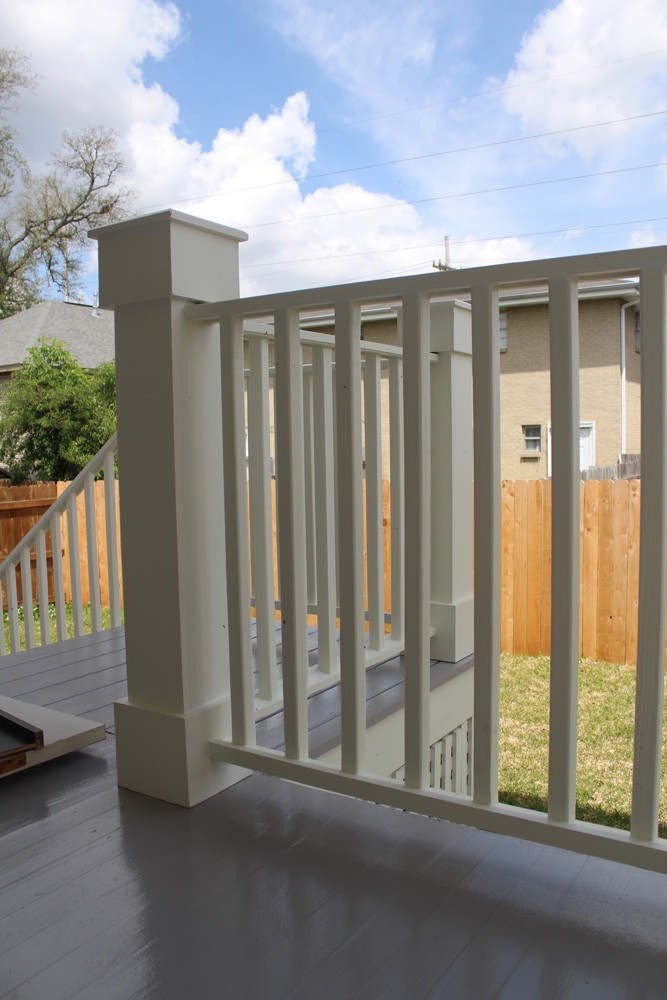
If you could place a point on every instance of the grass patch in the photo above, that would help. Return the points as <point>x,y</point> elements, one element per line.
<point>69,617</point>
<point>604,744</point>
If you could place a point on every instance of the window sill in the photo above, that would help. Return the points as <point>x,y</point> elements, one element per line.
<point>530,456</point>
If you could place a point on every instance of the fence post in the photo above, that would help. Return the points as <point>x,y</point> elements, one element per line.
<point>452,601</point>
<point>171,499</point>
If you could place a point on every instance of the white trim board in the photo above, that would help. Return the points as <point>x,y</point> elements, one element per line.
<point>62,733</point>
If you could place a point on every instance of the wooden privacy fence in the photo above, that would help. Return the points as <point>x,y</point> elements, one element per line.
<point>609,525</point>
<point>609,568</point>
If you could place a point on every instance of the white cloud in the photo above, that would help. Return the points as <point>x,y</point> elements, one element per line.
<point>591,62</point>
<point>368,47</point>
<point>88,58</point>
<point>92,60</point>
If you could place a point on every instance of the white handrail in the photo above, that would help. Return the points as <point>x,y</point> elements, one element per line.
<point>65,506</point>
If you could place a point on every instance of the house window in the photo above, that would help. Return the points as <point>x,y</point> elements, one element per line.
<point>532,440</point>
<point>503,331</point>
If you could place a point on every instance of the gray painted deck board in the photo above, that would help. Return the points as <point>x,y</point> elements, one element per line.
<point>270,890</point>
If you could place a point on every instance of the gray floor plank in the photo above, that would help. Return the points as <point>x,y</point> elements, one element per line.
<point>276,891</point>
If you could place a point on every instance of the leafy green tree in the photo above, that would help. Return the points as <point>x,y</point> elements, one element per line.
<point>44,219</point>
<point>54,417</point>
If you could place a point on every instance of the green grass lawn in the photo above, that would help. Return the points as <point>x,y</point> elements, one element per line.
<point>106,623</point>
<point>605,739</point>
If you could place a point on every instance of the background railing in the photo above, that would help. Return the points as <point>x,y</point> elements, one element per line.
<point>381,379</point>
<point>60,576</point>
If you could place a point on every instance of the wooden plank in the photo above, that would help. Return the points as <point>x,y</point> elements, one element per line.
<point>236,531</point>
<point>386,527</point>
<point>507,578</point>
<point>375,569</point>
<point>61,733</point>
<point>520,563</point>
<point>632,606</point>
<point>646,773</point>
<point>487,542</point>
<point>545,581</point>
<point>397,482</point>
<point>291,519</point>
<point>589,593</point>
<point>605,570</point>
<point>534,567</point>
<point>417,429</point>
<point>350,536</point>
<point>564,355</point>
<point>619,582</point>
<point>325,507</point>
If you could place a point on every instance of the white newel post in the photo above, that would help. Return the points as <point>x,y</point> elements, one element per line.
<point>171,499</point>
<point>452,601</point>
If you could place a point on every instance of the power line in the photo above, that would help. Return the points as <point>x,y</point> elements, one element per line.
<point>422,156</point>
<point>453,243</point>
<point>449,197</point>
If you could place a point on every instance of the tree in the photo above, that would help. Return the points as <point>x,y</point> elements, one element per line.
<point>44,219</point>
<point>54,417</point>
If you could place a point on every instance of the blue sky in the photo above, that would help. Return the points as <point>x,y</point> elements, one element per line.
<point>349,137</point>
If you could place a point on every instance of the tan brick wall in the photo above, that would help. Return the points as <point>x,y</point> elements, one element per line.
<point>525,389</point>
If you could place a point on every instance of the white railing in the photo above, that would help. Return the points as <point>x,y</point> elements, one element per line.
<point>78,527</point>
<point>190,671</point>
<point>414,296</point>
<point>381,371</point>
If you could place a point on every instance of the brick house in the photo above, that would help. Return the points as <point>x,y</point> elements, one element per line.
<point>609,375</point>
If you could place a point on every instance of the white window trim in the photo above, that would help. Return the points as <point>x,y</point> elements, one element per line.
<point>582,423</point>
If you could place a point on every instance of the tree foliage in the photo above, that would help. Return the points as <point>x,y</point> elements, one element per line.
<point>44,219</point>
<point>54,417</point>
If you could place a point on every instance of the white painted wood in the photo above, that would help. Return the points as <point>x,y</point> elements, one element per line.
<point>28,598</point>
<point>456,282</point>
<point>58,578</point>
<point>397,498</point>
<point>170,437</point>
<point>261,526</point>
<point>350,536</point>
<point>13,610</point>
<point>513,821</point>
<point>291,520</point>
<point>21,554</point>
<point>374,530</point>
<point>93,561</point>
<point>417,424</point>
<point>43,585</point>
<point>486,421</point>
<point>309,478</point>
<point>62,733</point>
<point>652,557</point>
<point>325,432</point>
<point>74,564</point>
<point>113,575</point>
<point>236,531</point>
<point>566,485</point>
<point>452,601</point>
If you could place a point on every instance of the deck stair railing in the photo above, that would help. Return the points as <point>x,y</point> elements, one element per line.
<point>70,530</point>
<point>190,672</point>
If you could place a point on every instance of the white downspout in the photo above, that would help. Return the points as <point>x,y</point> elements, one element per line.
<point>625,305</point>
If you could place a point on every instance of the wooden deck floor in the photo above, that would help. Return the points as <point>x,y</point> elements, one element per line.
<point>270,890</point>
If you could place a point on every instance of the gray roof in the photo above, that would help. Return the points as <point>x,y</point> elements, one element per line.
<point>86,332</point>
